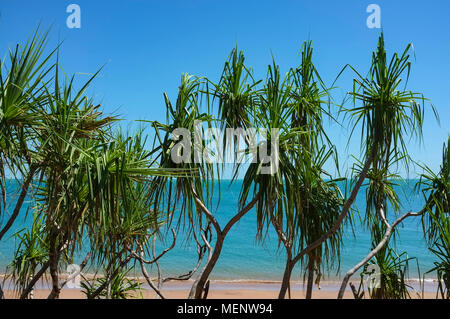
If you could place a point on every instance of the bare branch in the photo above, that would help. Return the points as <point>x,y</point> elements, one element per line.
<point>154,260</point>
<point>19,203</point>
<point>279,230</point>
<point>374,251</point>
<point>147,277</point>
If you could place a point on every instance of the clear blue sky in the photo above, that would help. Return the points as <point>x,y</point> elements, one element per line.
<point>146,45</point>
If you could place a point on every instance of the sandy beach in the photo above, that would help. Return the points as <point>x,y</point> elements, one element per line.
<point>227,290</point>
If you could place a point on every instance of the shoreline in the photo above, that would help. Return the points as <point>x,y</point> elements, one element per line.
<point>224,291</point>
<point>326,282</point>
<point>230,289</point>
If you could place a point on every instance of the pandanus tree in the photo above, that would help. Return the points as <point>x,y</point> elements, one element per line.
<point>31,253</point>
<point>23,74</point>
<point>237,96</point>
<point>436,223</point>
<point>388,114</point>
<point>320,204</point>
<point>193,195</point>
<point>121,224</point>
<point>381,198</point>
<point>52,130</point>
<point>66,120</point>
<point>22,82</point>
<point>184,115</point>
<point>102,197</point>
<point>317,205</point>
<point>435,188</point>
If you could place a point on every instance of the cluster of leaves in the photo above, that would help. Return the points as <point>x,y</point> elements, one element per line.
<point>87,179</point>
<point>119,287</point>
<point>437,222</point>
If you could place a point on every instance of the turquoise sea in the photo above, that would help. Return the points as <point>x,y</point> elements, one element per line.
<point>245,258</point>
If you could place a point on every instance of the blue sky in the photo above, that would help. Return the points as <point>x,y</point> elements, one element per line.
<point>146,46</point>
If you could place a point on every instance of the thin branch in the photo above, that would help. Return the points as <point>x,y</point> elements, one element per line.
<point>33,281</point>
<point>240,214</point>
<point>206,211</point>
<point>154,260</point>
<point>194,285</point>
<point>147,277</point>
<point>279,230</point>
<point>374,251</point>
<point>19,203</point>
<point>345,209</point>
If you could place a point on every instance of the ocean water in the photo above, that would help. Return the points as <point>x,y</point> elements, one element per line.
<point>245,258</point>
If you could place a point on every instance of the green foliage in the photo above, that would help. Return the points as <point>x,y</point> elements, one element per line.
<point>441,249</point>
<point>436,220</point>
<point>436,191</point>
<point>393,275</point>
<point>31,253</point>
<point>388,112</point>
<point>199,176</point>
<point>100,184</point>
<point>120,287</point>
<point>238,98</point>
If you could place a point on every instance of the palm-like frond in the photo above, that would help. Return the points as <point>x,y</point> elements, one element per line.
<point>31,253</point>
<point>236,92</point>
<point>169,193</point>
<point>436,191</point>
<point>388,112</point>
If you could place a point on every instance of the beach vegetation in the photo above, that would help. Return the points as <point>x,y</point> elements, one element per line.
<point>109,194</point>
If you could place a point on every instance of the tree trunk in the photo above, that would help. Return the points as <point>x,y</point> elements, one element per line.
<point>33,281</point>
<point>286,278</point>
<point>54,259</point>
<point>310,278</point>
<point>19,203</point>
<point>199,285</point>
